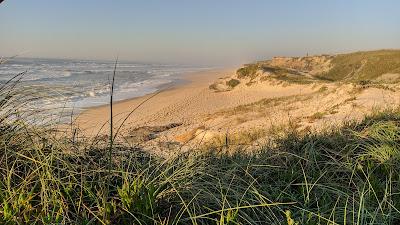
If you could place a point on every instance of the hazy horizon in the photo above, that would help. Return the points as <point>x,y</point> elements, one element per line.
<point>206,32</point>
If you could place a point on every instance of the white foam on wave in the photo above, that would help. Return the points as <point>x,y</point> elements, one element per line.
<point>86,83</point>
<point>92,93</point>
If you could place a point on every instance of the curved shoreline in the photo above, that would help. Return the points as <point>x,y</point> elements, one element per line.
<point>180,80</point>
<point>183,112</point>
<point>93,118</point>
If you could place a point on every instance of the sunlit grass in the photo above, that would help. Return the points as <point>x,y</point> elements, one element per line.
<point>347,175</point>
<point>364,66</point>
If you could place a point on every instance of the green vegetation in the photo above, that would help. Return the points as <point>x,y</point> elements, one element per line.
<point>233,83</point>
<point>285,74</point>
<point>359,67</point>
<point>213,86</point>
<point>248,71</point>
<point>349,175</point>
<point>323,89</point>
<point>263,104</point>
<point>220,86</point>
<point>363,66</point>
<point>278,73</point>
<point>317,116</point>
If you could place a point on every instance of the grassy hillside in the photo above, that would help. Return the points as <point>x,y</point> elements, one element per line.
<point>353,67</point>
<point>348,175</point>
<point>364,65</point>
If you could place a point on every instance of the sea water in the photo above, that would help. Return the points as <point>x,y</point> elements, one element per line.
<point>78,84</point>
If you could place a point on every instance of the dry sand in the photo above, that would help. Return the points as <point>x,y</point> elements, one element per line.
<point>192,113</point>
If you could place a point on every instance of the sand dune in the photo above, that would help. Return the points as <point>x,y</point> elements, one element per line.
<point>194,113</point>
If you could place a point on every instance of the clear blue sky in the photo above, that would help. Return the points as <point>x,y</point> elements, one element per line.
<point>189,31</point>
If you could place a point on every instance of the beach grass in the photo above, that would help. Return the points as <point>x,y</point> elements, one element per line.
<point>346,175</point>
<point>364,68</point>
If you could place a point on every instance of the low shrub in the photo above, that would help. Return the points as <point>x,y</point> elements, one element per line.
<point>248,71</point>
<point>233,83</point>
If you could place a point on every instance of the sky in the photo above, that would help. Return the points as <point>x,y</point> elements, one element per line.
<point>215,32</point>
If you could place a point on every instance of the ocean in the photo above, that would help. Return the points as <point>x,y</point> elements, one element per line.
<point>78,84</point>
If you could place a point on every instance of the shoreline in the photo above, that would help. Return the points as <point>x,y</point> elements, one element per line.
<point>181,80</point>
<point>193,112</point>
<point>94,117</point>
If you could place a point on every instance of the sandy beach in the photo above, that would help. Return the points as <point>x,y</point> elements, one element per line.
<point>200,112</point>
<point>156,108</point>
<point>193,113</point>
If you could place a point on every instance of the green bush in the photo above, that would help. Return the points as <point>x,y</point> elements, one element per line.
<point>233,83</point>
<point>248,71</point>
<point>213,87</point>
